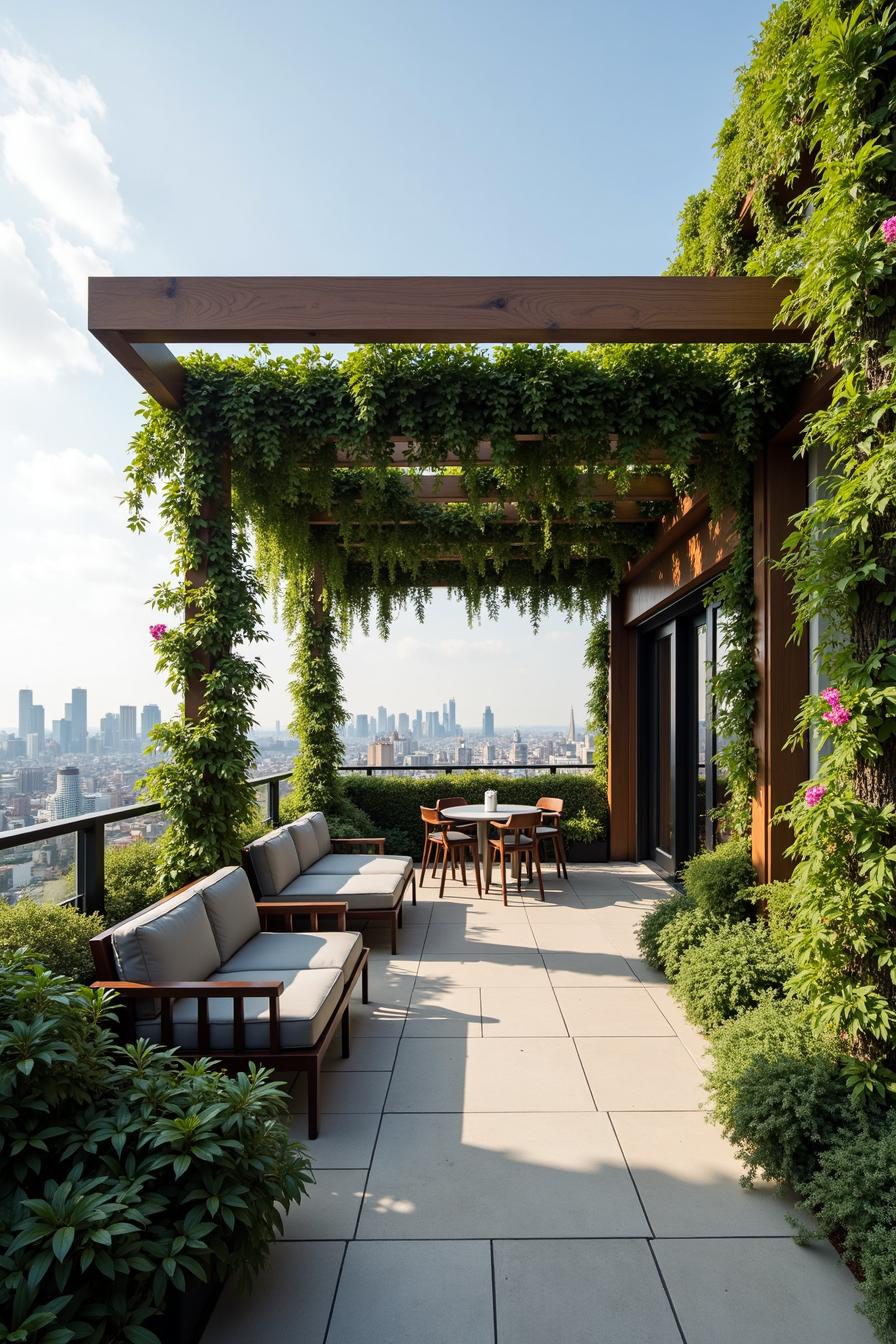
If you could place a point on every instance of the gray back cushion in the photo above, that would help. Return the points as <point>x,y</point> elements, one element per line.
<point>129,958</point>
<point>179,945</point>
<point>305,841</point>
<point>275,862</point>
<point>322,831</point>
<point>231,910</point>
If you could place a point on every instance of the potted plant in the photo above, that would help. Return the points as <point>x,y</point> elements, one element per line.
<point>586,841</point>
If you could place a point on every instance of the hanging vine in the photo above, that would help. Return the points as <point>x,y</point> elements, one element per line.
<point>811,150</point>
<point>597,704</point>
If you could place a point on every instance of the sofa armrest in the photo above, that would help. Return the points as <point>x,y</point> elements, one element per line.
<point>310,908</point>
<point>202,991</point>
<point>378,842</point>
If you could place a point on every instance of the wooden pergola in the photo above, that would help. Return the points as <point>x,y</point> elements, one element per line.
<point>136,317</point>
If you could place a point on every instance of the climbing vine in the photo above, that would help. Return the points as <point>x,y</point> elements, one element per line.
<point>808,164</point>
<point>597,704</point>
<point>316,689</point>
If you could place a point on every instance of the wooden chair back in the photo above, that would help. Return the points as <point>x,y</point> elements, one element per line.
<point>518,821</point>
<point>552,807</point>
<point>430,816</point>
<point>450,802</point>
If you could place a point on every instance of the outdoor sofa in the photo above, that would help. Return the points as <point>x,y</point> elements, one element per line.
<point>199,970</point>
<point>301,862</point>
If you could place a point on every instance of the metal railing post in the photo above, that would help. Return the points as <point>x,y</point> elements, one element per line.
<point>274,802</point>
<point>91,867</point>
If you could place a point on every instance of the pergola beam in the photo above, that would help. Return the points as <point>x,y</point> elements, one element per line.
<point>404,451</point>
<point>143,313</point>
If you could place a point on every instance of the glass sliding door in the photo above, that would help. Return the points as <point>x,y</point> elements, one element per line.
<point>662,782</point>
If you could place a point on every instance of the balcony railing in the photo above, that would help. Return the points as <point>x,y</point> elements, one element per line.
<point>89,829</point>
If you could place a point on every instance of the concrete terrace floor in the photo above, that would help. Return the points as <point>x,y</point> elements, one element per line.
<point>515,1153</point>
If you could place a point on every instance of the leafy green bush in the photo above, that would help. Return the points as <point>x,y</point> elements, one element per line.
<point>347,821</point>
<point>774,1029</point>
<point>584,828</point>
<point>124,1174</point>
<point>717,880</point>
<point>55,934</point>
<point>852,1195</point>
<point>656,920</point>
<point>687,930</point>
<point>132,879</point>
<point>728,973</point>
<point>778,900</point>
<point>394,804</point>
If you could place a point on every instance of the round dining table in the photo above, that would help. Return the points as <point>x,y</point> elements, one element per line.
<point>483,819</point>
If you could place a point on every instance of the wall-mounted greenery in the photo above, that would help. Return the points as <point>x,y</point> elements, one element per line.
<point>811,143</point>
<point>597,704</point>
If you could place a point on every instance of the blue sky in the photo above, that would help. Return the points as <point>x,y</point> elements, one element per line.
<point>391,138</point>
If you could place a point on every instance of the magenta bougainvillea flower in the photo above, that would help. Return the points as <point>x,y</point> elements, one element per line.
<point>837,716</point>
<point>814,794</point>
<point>157,631</point>
<point>831,695</point>
<point>888,229</point>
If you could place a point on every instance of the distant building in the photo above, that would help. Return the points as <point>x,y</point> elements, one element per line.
<point>79,719</point>
<point>417,726</point>
<point>127,727</point>
<point>109,732</point>
<point>33,747</point>
<point>362,729</point>
<point>488,722</point>
<point>381,717</point>
<point>390,725</point>
<point>62,734</point>
<point>463,755</point>
<point>404,725</point>
<point>26,704</point>
<point>452,717</point>
<point>571,731</point>
<point>432,723</point>
<point>421,760</point>
<point>489,754</point>
<point>519,750</point>
<point>66,801</point>
<point>38,727</point>
<point>381,753</point>
<point>150,715</point>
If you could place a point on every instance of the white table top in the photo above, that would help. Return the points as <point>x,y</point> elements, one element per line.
<point>477,812</point>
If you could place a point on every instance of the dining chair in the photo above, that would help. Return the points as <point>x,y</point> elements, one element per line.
<point>442,839</point>
<point>550,832</point>
<point>468,826</point>
<point>516,837</point>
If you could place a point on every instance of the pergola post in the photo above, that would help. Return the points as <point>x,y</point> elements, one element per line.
<point>211,509</point>
<point>622,735</point>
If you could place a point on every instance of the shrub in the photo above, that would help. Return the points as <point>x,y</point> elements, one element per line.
<point>687,930</point>
<point>718,878</point>
<point>656,920</point>
<point>347,820</point>
<point>852,1196</point>
<point>125,1174</point>
<point>132,879</point>
<point>394,804</point>
<point>774,1029</point>
<point>56,934</point>
<point>583,828</point>
<point>728,973</point>
<point>779,902</point>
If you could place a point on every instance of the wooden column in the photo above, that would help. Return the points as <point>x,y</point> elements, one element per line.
<point>621,764</point>
<point>779,491</point>
<point>209,511</point>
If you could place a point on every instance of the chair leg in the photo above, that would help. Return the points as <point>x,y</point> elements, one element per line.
<point>453,869</point>
<point>462,860</point>
<point>435,859</point>
<point>474,849</point>
<point>503,871</point>
<point>556,840</point>
<point>414,886</point>
<point>394,923</point>
<point>400,916</point>
<point>346,1034</point>
<point>365,992</point>
<point>538,871</point>
<point>562,843</point>
<point>444,872</point>
<point>425,861</point>
<point>314,1098</point>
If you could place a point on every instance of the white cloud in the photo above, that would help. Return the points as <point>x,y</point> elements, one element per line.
<point>50,148</point>
<point>36,344</point>
<point>470,648</point>
<point>75,261</point>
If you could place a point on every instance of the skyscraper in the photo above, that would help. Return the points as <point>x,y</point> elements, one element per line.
<point>571,731</point>
<point>150,715</point>
<point>26,703</point>
<point>404,725</point>
<point>79,719</point>
<point>417,726</point>
<point>39,727</point>
<point>488,722</point>
<point>361,726</point>
<point>127,724</point>
<point>432,723</point>
<point>381,719</point>
<point>109,731</point>
<point>452,716</point>
<point>62,732</point>
<point>66,801</point>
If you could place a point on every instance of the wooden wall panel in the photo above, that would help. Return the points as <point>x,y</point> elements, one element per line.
<point>622,761</point>
<point>692,559</point>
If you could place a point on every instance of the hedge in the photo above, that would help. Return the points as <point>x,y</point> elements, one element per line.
<point>394,803</point>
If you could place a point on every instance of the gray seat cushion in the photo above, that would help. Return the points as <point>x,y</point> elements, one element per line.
<point>231,910</point>
<point>296,952</point>
<point>307,1003</point>
<point>380,891</point>
<point>275,861</point>
<point>304,838</point>
<point>362,864</point>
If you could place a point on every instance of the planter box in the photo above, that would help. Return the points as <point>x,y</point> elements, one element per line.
<point>187,1314</point>
<point>591,851</point>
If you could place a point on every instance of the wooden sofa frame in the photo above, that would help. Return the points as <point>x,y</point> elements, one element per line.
<point>346,844</point>
<point>308,1059</point>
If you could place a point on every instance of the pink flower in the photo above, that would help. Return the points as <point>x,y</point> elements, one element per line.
<point>832,696</point>
<point>888,229</point>
<point>837,716</point>
<point>157,631</point>
<point>814,794</point>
